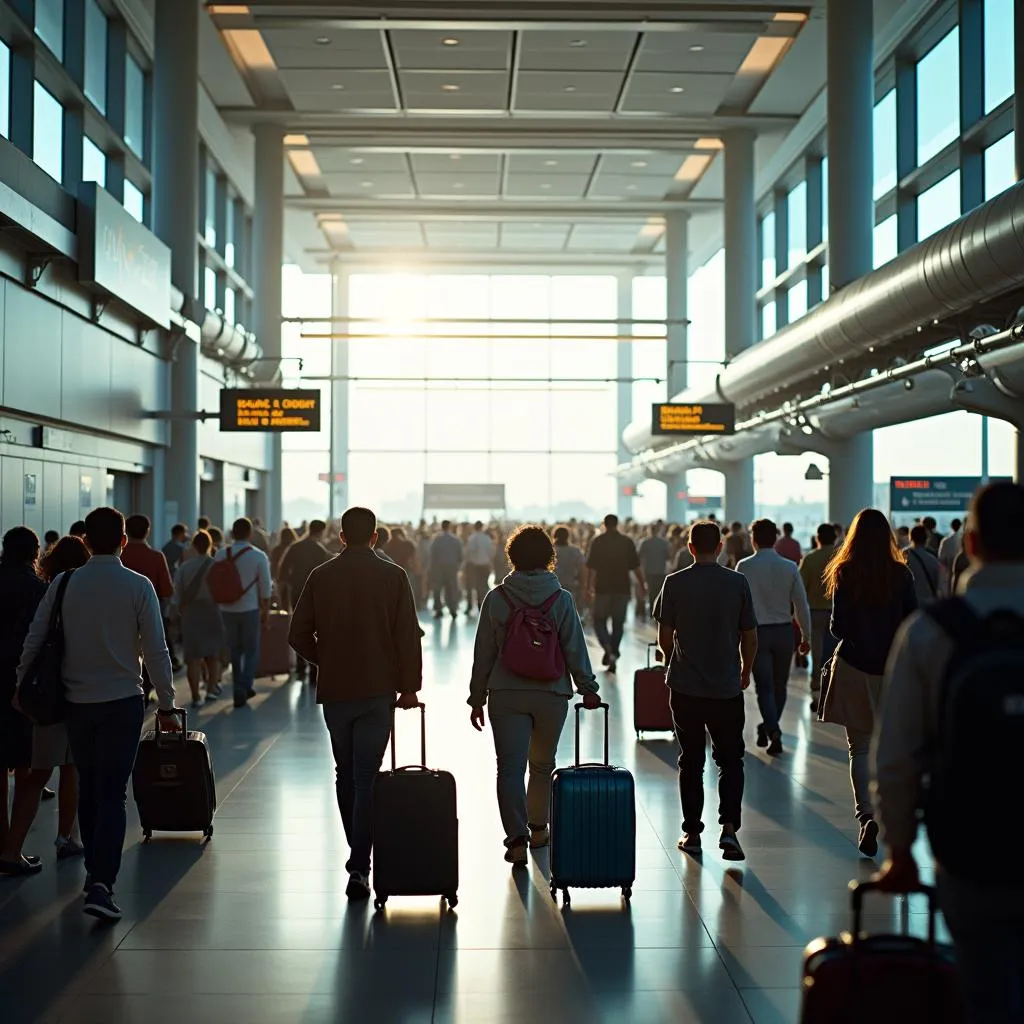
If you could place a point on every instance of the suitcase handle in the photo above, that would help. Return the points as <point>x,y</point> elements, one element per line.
<point>657,658</point>
<point>423,736</point>
<point>579,708</point>
<point>858,890</point>
<point>168,736</point>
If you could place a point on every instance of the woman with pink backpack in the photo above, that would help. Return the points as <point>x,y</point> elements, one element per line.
<point>530,651</point>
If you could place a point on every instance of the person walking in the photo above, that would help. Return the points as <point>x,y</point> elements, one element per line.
<point>655,553</point>
<point>570,564</point>
<point>277,556</point>
<point>778,591</point>
<point>355,620</point>
<point>202,626</point>
<point>612,558</point>
<point>812,572</point>
<point>872,592</point>
<point>788,546</point>
<point>445,563</point>
<point>707,631</point>
<point>301,559</point>
<point>103,690</point>
<point>479,558</point>
<point>244,617</point>
<point>918,753</point>
<point>174,550</point>
<point>147,561</point>
<point>527,715</point>
<point>924,567</point>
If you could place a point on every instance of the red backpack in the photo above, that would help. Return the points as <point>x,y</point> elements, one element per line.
<point>532,648</point>
<point>224,580</point>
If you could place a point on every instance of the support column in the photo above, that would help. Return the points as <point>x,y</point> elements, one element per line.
<point>175,219</point>
<point>676,280</point>
<point>339,396</point>
<point>851,212</point>
<point>1018,148</point>
<point>268,256</point>
<point>740,292</point>
<point>624,387</point>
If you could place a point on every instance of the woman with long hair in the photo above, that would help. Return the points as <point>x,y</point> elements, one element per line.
<point>202,628</point>
<point>287,538</point>
<point>872,592</point>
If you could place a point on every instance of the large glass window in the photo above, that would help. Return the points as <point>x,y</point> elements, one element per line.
<point>232,230</point>
<point>938,97</point>
<point>48,133</point>
<point>210,287</point>
<point>999,52</point>
<point>886,244</point>
<point>50,25</point>
<point>768,319</point>
<point>134,201</point>
<point>796,215</point>
<point>649,350</point>
<point>229,305</point>
<point>94,162</point>
<point>824,199</point>
<point>135,106</point>
<point>96,54</point>
<point>5,89</point>
<point>797,301</point>
<point>939,206</point>
<point>885,143</point>
<point>210,227</point>
<point>1000,173</point>
<point>768,271</point>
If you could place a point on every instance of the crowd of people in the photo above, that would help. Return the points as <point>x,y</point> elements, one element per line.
<point>870,607</point>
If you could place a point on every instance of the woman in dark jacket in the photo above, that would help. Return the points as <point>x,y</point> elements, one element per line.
<point>21,590</point>
<point>872,592</point>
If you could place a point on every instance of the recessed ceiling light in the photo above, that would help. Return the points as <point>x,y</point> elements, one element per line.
<point>638,163</point>
<point>357,160</point>
<point>677,89</point>
<point>550,163</point>
<point>456,156</point>
<point>545,185</point>
<point>366,184</point>
<point>697,48</point>
<point>448,87</point>
<point>631,188</point>
<point>570,88</point>
<point>458,184</point>
<point>338,86</point>
<point>322,40</point>
<point>577,43</point>
<point>450,41</point>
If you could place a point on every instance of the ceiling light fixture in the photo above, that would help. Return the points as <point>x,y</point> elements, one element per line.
<point>455,156</point>
<point>697,48</point>
<point>631,188</point>
<point>322,40</point>
<point>692,167</point>
<point>577,43</point>
<point>448,87</point>
<point>296,140</point>
<point>338,86</point>
<point>450,41</point>
<point>458,184</point>
<point>677,89</point>
<point>545,185</point>
<point>304,163</point>
<point>570,88</point>
<point>638,163</point>
<point>709,143</point>
<point>550,163</point>
<point>366,184</point>
<point>357,160</point>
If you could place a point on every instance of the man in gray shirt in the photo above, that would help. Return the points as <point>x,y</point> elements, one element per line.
<point>924,567</point>
<point>445,562</point>
<point>654,555</point>
<point>708,632</point>
<point>111,616</point>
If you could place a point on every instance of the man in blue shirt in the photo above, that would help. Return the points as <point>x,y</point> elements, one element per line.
<point>445,563</point>
<point>708,633</point>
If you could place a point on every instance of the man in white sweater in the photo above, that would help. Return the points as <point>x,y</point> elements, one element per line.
<point>111,618</point>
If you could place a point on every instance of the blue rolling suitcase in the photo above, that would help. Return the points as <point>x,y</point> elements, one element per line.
<point>593,825</point>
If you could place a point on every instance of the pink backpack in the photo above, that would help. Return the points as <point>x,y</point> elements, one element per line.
<point>532,648</point>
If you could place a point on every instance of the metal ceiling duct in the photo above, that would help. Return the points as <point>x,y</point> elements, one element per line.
<point>228,344</point>
<point>975,260</point>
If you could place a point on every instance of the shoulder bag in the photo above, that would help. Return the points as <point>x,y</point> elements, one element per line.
<point>41,692</point>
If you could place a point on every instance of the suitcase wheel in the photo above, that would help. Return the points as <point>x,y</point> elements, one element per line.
<point>379,902</point>
<point>554,893</point>
<point>639,736</point>
<point>627,893</point>
<point>146,835</point>
<point>208,833</point>
<point>566,902</point>
<point>453,901</point>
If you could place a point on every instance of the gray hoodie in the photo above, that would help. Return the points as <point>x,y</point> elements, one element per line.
<point>531,589</point>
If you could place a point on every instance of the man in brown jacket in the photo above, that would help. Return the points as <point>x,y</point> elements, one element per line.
<point>356,622</point>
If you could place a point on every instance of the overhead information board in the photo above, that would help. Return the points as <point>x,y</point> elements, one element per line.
<point>706,501</point>
<point>254,410</point>
<point>933,493</point>
<point>469,497</point>
<point>678,418</point>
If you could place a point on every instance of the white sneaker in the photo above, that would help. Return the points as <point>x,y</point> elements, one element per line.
<point>358,887</point>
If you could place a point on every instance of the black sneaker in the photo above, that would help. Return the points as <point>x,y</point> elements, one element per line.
<point>775,747</point>
<point>730,847</point>
<point>814,705</point>
<point>762,736</point>
<point>99,902</point>
<point>867,842</point>
<point>48,794</point>
<point>358,887</point>
<point>612,664</point>
<point>241,700</point>
<point>689,842</point>
<point>20,868</point>
<point>607,657</point>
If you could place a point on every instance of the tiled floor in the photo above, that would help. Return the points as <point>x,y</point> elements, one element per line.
<point>255,928</point>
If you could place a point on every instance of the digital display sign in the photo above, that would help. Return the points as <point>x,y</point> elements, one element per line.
<point>934,493</point>
<point>278,410</point>
<point>679,418</point>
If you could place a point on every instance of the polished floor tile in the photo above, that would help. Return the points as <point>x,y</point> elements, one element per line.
<point>254,927</point>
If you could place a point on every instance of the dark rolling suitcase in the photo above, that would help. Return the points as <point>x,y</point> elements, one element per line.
<point>651,710</point>
<point>276,657</point>
<point>415,801</point>
<point>173,781</point>
<point>593,825</point>
<point>901,978</point>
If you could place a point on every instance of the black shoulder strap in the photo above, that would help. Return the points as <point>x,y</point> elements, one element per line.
<point>57,612</point>
<point>956,619</point>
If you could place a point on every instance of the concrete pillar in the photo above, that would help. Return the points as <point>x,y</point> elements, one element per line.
<point>268,255</point>
<point>338,501</point>
<point>175,221</point>
<point>740,292</point>
<point>1018,144</point>
<point>624,387</point>
<point>851,212</point>
<point>676,279</point>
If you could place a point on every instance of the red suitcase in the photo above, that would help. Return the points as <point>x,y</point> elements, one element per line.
<point>901,978</point>
<point>651,711</point>
<point>276,658</point>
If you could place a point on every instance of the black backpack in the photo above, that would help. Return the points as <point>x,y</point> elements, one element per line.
<point>981,727</point>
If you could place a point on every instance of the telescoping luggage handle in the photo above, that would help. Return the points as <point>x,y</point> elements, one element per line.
<point>653,646</point>
<point>423,738</point>
<point>859,889</point>
<point>579,708</point>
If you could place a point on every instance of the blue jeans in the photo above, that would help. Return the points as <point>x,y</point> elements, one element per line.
<point>360,730</point>
<point>104,740</point>
<point>771,672</point>
<point>243,635</point>
<point>610,606</point>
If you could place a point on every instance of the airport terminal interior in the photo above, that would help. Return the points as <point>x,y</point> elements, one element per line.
<point>515,262</point>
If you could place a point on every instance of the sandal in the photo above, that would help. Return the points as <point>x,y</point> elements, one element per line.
<point>20,868</point>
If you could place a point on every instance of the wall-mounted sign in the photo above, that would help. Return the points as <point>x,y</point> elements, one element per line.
<point>680,418</point>
<point>259,410</point>
<point>475,497</point>
<point>122,257</point>
<point>31,490</point>
<point>933,493</point>
<point>706,501</point>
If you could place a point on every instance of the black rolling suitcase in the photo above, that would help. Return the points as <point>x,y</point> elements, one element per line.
<point>415,801</point>
<point>173,781</point>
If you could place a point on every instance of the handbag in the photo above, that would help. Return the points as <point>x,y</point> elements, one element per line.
<point>41,691</point>
<point>192,592</point>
